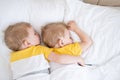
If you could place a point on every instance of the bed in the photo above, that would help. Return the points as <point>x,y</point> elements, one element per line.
<point>101,23</point>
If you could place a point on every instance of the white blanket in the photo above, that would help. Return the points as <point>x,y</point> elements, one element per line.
<point>75,72</point>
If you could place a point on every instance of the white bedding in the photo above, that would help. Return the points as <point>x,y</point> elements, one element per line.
<point>75,72</point>
<point>101,23</point>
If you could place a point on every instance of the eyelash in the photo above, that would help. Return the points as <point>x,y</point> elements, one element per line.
<point>70,37</point>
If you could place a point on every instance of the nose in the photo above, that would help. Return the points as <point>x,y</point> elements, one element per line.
<point>71,39</point>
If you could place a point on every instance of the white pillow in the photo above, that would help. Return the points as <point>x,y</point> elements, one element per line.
<point>5,71</point>
<point>102,24</point>
<point>37,12</point>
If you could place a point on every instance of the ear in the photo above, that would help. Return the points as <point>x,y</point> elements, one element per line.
<point>60,43</point>
<point>26,43</point>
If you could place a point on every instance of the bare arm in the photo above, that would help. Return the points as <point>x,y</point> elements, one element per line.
<point>65,59</point>
<point>86,41</point>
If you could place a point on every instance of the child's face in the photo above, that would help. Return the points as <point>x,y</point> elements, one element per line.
<point>67,39</point>
<point>33,37</point>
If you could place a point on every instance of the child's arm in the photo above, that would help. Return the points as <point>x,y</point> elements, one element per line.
<point>65,59</point>
<point>86,41</point>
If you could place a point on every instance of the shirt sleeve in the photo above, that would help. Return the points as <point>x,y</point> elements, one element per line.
<point>71,49</point>
<point>29,52</point>
<point>46,51</point>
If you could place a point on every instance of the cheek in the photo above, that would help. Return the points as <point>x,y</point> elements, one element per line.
<point>67,41</point>
<point>70,41</point>
<point>38,39</point>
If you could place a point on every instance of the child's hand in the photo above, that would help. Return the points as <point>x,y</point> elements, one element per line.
<point>72,25</point>
<point>81,61</point>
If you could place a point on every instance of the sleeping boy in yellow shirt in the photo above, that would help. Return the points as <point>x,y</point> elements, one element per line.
<point>57,36</point>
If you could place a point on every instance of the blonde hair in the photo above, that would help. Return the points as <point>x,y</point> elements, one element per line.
<point>52,32</point>
<point>15,34</point>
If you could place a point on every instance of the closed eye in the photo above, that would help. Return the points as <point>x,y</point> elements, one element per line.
<point>35,33</point>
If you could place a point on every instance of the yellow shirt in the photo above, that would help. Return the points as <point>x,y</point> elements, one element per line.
<point>29,60</point>
<point>29,52</point>
<point>71,49</point>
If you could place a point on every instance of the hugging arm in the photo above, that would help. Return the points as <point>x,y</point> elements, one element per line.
<point>65,59</point>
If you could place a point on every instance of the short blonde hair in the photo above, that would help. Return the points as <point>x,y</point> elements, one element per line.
<point>52,32</point>
<point>15,34</point>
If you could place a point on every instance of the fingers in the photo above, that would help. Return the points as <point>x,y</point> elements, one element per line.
<point>70,23</point>
<point>81,64</point>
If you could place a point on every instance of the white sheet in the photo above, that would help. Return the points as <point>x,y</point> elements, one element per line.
<point>75,72</point>
<point>103,25</point>
<point>43,76</point>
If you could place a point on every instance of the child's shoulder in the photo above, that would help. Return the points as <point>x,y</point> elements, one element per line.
<point>28,52</point>
<point>73,44</point>
<point>72,49</point>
